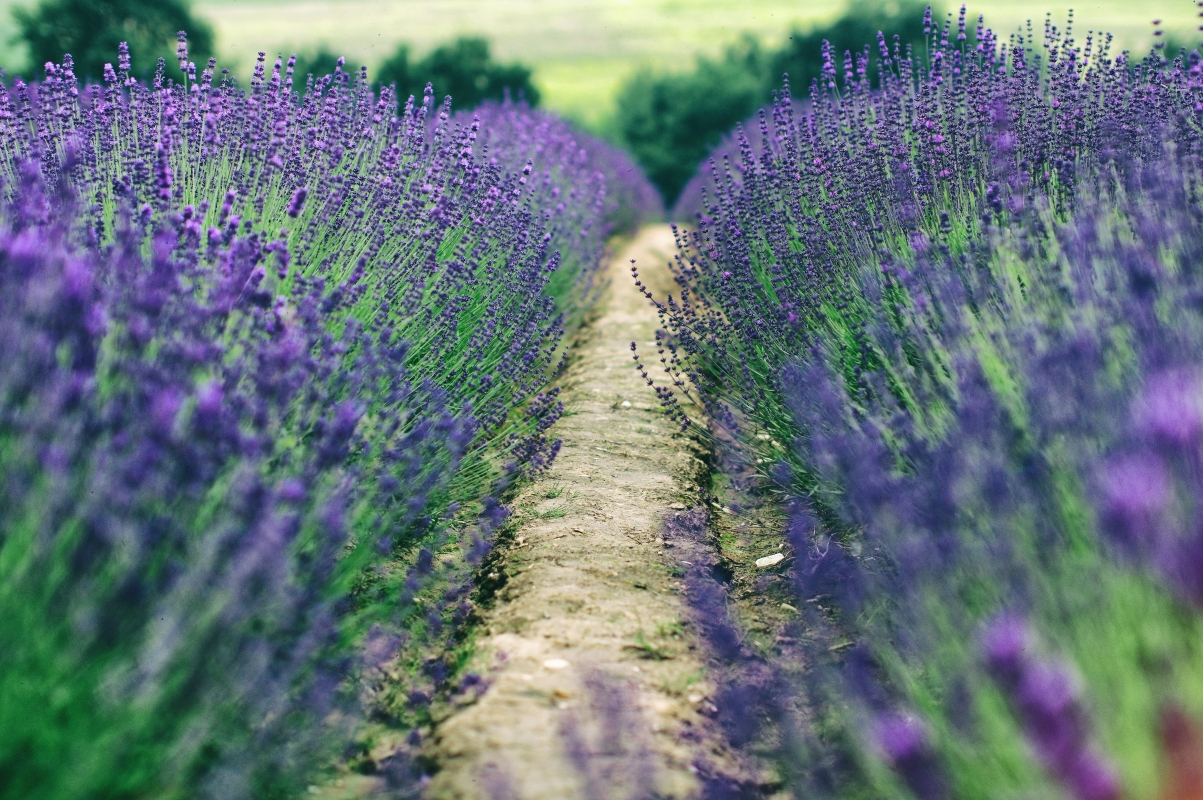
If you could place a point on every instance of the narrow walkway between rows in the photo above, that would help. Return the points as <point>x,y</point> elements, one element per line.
<point>596,688</point>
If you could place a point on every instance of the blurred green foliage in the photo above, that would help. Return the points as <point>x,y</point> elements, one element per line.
<point>463,69</point>
<point>801,55</point>
<point>314,62</point>
<point>90,31</point>
<point>670,121</point>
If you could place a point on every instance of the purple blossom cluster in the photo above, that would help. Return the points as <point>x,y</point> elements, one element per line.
<point>1150,492</point>
<point>906,746</point>
<point>1057,463</point>
<point>629,200</point>
<point>180,485</point>
<point>884,171</point>
<point>1048,699</point>
<point>693,198</point>
<point>606,193</point>
<point>272,358</point>
<point>952,308</point>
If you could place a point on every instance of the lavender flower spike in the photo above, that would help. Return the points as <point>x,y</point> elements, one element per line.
<point>1047,698</point>
<point>297,202</point>
<point>905,743</point>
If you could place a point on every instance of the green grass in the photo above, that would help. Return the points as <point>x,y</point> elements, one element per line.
<point>647,649</point>
<point>581,49</point>
<point>558,512</point>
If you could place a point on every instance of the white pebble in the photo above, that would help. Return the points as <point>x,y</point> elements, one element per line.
<point>768,561</point>
<point>555,663</point>
<point>626,403</point>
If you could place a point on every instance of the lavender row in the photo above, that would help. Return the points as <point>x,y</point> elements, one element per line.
<point>952,309</point>
<point>272,360</point>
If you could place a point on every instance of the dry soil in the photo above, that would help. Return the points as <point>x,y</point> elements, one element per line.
<point>596,688</point>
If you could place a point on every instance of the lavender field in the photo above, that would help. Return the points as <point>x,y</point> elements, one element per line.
<point>359,444</point>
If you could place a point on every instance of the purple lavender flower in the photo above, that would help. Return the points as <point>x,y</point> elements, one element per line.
<point>1137,492</point>
<point>959,292</point>
<point>1171,408</point>
<point>1047,699</point>
<point>905,744</point>
<point>211,452</point>
<point>298,202</point>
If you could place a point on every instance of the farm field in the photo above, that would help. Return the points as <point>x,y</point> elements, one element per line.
<point>358,446</point>
<point>581,51</point>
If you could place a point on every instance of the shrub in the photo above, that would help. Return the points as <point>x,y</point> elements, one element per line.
<point>464,70</point>
<point>272,361</point>
<point>670,121</point>
<point>627,201</point>
<point>91,30</point>
<point>801,57</point>
<point>955,318</point>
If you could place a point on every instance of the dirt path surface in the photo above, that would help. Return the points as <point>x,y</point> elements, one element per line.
<point>595,687</point>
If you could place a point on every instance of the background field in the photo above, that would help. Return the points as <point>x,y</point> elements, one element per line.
<point>580,49</point>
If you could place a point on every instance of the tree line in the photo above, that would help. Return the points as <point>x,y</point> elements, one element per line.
<point>90,31</point>
<point>669,121</point>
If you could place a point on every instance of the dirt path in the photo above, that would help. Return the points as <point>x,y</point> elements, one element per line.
<point>596,689</point>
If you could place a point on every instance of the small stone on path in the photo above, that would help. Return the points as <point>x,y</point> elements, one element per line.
<point>555,663</point>
<point>768,561</point>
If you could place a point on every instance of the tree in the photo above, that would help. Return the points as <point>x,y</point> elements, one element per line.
<point>396,70</point>
<point>801,56</point>
<point>91,30</point>
<point>317,64</point>
<point>463,69</point>
<point>670,121</point>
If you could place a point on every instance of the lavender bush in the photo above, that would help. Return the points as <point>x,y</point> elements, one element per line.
<point>953,312</point>
<point>702,185</point>
<point>272,359</point>
<point>622,199</point>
